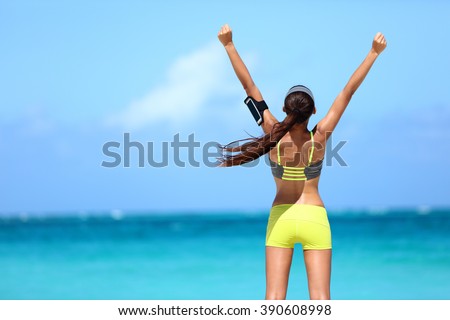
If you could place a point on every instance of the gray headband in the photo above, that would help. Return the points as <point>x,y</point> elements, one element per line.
<point>300,88</point>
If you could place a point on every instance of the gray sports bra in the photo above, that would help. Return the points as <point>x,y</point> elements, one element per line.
<point>311,171</point>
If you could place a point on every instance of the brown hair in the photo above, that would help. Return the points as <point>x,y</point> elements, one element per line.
<point>298,106</point>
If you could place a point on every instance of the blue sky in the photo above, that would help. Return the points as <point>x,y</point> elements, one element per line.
<point>77,74</point>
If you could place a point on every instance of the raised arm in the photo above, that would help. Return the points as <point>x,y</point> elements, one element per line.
<point>225,37</point>
<point>329,122</point>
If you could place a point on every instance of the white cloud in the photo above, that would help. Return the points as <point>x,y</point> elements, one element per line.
<point>190,82</point>
<point>36,121</point>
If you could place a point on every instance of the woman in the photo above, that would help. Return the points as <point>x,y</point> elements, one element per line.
<point>296,154</point>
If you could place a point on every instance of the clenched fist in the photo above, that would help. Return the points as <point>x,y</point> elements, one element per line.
<point>379,43</point>
<point>225,35</point>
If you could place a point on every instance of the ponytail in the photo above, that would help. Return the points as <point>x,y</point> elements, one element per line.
<point>256,147</point>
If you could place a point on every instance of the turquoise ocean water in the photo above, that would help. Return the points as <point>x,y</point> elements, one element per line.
<point>376,255</point>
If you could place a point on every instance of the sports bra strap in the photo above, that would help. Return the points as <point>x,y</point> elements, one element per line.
<point>312,149</point>
<point>310,156</point>
<point>278,152</point>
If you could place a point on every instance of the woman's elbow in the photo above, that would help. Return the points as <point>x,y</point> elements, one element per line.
<point>253,91</point>
<point>347,94</point>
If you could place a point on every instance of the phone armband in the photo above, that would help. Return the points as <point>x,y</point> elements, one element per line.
<point>256,108</point>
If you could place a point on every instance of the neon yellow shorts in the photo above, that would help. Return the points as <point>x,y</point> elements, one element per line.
<point>298,223</point>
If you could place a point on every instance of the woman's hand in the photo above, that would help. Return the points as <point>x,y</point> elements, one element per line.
<point>379,43</point>
<point>225,35</point>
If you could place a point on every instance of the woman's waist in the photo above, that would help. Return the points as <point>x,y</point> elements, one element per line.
<point>306,198</point>
<point>283,206</point>
<point>295,211</point>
